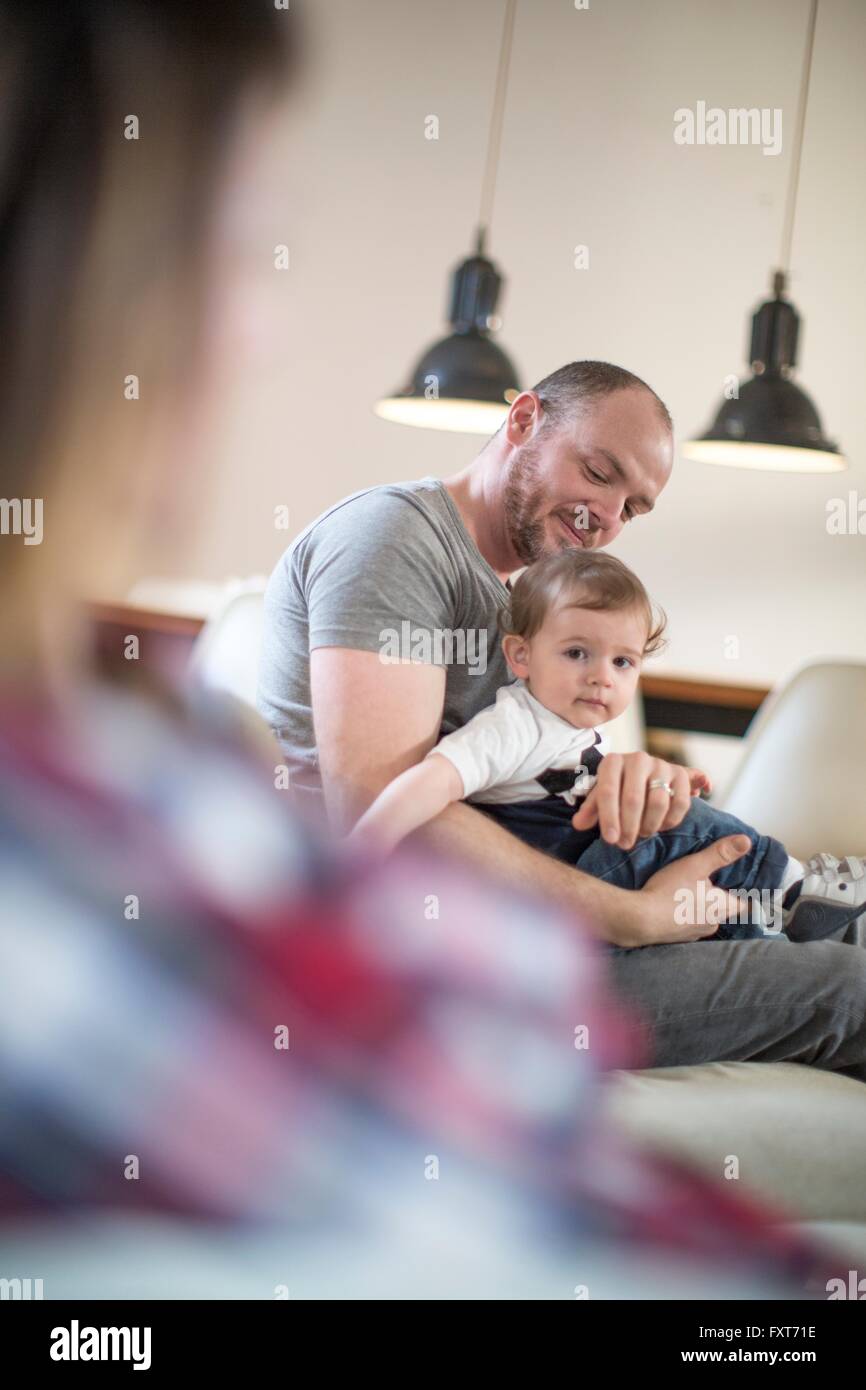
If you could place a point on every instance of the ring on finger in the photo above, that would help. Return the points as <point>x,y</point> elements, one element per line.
<point>660,782</point>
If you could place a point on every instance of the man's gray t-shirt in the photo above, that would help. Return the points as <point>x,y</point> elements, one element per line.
<point>391,569</point>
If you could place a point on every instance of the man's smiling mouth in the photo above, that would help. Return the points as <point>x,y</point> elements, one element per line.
<point>581,537</point>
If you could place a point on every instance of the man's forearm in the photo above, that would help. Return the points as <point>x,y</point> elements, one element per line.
<point>468,834</point>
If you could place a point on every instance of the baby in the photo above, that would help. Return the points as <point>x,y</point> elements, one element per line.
<point>576,631</point>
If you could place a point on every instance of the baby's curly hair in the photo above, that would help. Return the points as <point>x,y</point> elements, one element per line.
<point>586,580</point>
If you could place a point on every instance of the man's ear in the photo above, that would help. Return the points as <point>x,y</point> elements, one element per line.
<point>516,652</point>
<point>524,417</point>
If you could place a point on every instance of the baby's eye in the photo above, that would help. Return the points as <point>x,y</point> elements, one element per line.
<point>625,660</point>
<point>575,653</point>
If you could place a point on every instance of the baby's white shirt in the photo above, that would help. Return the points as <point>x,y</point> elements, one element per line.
<point>501,751</point>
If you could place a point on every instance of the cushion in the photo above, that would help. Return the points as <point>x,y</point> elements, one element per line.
<point>799,1133</point>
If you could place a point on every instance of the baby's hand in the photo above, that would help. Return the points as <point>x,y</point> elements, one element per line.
<point>698,781</point>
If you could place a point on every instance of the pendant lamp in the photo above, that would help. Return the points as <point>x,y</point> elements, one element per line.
<point>772,423</point>
<point>465,382</point>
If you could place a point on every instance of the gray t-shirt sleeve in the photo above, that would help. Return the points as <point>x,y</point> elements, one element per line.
<point>370,567</point>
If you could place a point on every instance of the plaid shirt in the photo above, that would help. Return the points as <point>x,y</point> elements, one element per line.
<point>206,1009</point>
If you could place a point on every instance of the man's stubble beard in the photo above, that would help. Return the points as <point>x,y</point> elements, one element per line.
<point>522,501</point>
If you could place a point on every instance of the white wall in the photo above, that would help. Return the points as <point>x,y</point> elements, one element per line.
<point>682,241</point>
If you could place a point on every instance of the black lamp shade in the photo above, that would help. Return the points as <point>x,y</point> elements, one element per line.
<point>771,410</point>
<point>771,423</point>
<point>465,367</point>
<point>463,382</point>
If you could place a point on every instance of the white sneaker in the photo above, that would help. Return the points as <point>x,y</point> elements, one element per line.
<point>832,896</point>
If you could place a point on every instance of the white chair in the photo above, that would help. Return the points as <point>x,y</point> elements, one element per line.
<point>799,1132</point>
<point>226,653</point>
<point>802,776</point>
<point>627,733</point>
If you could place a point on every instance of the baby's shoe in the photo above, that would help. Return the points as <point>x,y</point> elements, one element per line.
<point>832,895</point>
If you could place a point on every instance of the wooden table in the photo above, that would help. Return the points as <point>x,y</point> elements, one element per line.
<point>670,702</point>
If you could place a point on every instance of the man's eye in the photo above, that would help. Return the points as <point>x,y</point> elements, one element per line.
<point>596,477</point>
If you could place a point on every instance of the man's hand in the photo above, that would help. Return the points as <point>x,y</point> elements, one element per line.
<point>626,807</point>
<point>651,917</point>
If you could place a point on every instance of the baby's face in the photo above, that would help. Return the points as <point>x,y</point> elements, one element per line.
<point>583,665</point>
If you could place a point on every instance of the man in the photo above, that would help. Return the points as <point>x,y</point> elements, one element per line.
<point>583,453</point>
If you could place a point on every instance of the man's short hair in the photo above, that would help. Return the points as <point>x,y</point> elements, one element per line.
<point>566,391</point>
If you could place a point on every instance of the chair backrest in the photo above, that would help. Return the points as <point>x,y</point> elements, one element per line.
<point>802,777</point>
<point>627,733</point>
<point>226,653</point>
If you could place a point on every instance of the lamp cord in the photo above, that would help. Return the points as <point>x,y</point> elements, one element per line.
<point>494,139</point>
<point>794,183</point>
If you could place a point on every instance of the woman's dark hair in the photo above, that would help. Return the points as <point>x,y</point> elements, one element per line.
<point>113,123</point>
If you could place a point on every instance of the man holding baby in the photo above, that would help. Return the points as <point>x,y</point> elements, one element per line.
<point>578,457</point>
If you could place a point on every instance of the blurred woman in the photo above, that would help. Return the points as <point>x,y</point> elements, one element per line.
<point>367,1081</point>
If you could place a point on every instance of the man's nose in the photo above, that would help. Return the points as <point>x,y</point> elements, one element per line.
<point>605,513</point>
